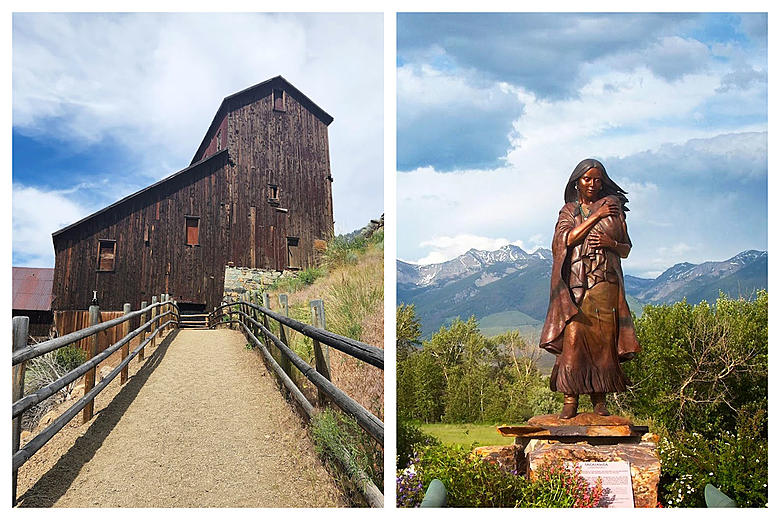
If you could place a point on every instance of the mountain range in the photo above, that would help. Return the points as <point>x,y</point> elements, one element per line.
<point>509,288</point>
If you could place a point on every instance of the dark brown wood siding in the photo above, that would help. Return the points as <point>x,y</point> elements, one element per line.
<point>164,263</point>
<point>288,150</point>
<point>229,193</point>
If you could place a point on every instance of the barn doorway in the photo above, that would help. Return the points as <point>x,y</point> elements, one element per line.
<point>293,253</point>
<point>192,308</point>
<point>193,315</point>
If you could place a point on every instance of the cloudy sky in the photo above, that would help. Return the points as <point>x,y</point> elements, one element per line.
<point>495,110</point>
<point>106,104</point>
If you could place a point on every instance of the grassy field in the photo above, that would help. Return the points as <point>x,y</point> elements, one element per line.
<point>466,434</point>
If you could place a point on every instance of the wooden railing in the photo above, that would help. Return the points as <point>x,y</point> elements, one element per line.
<point>22,352</point>
<point>253,319</point>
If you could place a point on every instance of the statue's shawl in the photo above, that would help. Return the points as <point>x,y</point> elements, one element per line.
<point>562,307</point>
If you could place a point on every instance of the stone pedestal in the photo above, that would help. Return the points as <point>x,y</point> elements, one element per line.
<point>587,437</point>
<point>510,458</point>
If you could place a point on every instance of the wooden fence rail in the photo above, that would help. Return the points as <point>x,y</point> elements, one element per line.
<point>23,353</point>
<point>254,321</point>
<point>363,351</point>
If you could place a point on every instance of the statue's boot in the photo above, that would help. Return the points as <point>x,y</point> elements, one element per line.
<point>599,403</point>
<point>570,403</point>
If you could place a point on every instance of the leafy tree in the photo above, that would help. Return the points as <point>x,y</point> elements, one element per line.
<point>699,364</point>
<point>462,376</point>
<point>407,331</point>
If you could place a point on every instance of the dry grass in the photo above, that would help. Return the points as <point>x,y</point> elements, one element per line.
<point>353,296</point>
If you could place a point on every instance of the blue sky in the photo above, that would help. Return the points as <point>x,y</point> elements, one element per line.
<point>106,104</point>
<point>495,110</point>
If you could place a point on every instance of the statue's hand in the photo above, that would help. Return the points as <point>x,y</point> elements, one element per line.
<point>610,208</point>
<point>599,239</point>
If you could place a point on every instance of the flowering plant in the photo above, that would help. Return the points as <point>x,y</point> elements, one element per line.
<point>409,486</point>
<point>734,462</point>
<point>559,484</point>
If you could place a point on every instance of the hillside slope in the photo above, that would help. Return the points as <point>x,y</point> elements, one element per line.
<point>352,289</point>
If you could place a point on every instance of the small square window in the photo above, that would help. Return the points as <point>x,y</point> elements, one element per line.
<point>273,194</point>
<point>279,100</point>
<point>106,255</point>
<point>192,225</point>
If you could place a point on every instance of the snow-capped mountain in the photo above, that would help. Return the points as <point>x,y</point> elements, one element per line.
<point>509,288</point>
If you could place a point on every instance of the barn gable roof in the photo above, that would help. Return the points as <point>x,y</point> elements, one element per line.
<point>276,81</point>
<point>159,183</point>
<point>32,288</point>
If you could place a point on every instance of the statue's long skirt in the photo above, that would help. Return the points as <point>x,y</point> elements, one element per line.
<point>589,362</point>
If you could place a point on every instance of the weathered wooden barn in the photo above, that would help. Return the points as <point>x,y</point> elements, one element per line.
<point>256,194</point>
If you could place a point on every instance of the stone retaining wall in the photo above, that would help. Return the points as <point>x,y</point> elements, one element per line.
<point>240,280</point>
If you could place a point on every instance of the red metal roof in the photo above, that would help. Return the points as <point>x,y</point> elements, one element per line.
<point>32,288</point>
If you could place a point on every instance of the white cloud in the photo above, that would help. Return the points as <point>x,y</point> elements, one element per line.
<point>446,247</point>
<point>616,115</point>
<point>422,87</point>
<point>679,122</point>
<point>669,57</point>
<point>443,248</point>
<point>36,215</point>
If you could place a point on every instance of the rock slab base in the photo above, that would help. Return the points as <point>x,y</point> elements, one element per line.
<point>645,465</point>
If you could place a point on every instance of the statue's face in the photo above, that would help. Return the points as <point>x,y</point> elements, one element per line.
<point>590,184</point>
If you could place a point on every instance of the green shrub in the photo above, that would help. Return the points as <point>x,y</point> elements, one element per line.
<point>377,238</point>
<point>473,482</point>
<point>699,363</point>
<point>295,283</point>
<point>410,439</point>
<point>734,462</point>
<point>470,481</point>
<point>310,274</point>
<point>343,250</point>
<point>70,357</point>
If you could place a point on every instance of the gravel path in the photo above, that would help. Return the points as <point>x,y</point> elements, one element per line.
<point>201,424</point>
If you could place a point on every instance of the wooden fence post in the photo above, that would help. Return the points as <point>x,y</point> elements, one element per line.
<point>152,324</point>
<point>321,352</point>
<point>20,329</point>
<point>143,333</point>
<point>162,309</point>
<point>126,347</point>
<point>285,364</point>
<point>268,342</point>
<point>168,308</point>
<point>255,315</point>
<point>244,307</point>
<point>229,308</point>
<point>89,377</point>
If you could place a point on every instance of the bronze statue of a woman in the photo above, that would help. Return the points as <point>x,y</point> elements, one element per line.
<point>588,325</point>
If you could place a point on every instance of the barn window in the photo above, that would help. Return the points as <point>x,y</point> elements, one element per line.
<point>293,253</point>
<point>192,225</point>
<point>106,255</point>
<point>279,100</point>
<point>273,194</point>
